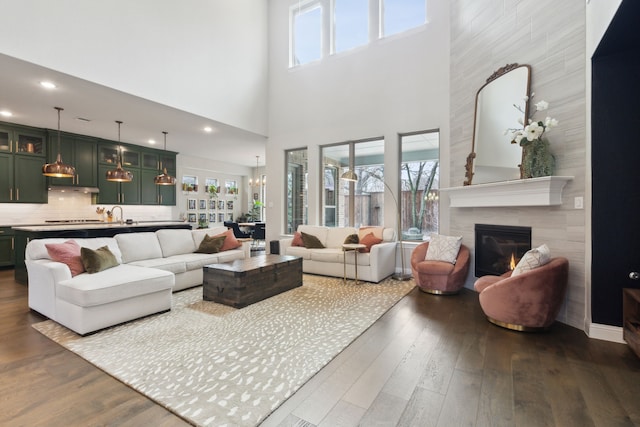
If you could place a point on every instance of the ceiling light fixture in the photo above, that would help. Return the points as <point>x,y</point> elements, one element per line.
<point>255,182</point>
<point>208,129</point>
<point>58,169</point>
<point>47,85</point>
<point>6,113</point>
<point>164,178</point>
<point>119,174</point>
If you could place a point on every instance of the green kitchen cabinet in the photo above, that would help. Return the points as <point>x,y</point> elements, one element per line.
<point>78,151</point>
<point>124,193</point>
<point>7,247</point>
<point>22,155</point>
<point>153,194</point>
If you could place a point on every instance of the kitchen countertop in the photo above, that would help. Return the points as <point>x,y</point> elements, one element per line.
<point>90,225</point>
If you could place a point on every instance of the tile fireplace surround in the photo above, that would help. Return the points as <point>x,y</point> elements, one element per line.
<point>543,191</point>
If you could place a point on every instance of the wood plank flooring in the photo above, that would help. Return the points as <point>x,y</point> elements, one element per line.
<point>429,361</point>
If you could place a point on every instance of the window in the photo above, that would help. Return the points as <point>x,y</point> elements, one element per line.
<point>346,203</point>
<point>323,27</point>
<point>306,39</point>
<point>401,15</point>
<point>419,176</point>
<point>296,190</point>
<point>350,24</point>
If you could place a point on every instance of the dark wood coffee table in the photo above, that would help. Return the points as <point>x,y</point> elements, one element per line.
<point>246,281</point>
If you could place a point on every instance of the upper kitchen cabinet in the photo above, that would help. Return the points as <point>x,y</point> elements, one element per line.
<point>125,193</point>
<point>78,151</point>
<point>22,155</point>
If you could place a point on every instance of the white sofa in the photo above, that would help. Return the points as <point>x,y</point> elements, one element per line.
<point>152,266</point>
<point>372,267</point>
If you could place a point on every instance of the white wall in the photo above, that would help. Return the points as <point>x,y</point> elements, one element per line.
<point>391,86</point>
<point>206,57</point>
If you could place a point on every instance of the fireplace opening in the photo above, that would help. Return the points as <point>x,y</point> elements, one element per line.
<point>499,248</point>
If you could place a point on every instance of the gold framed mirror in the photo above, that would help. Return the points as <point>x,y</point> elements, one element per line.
<point>493,158</point>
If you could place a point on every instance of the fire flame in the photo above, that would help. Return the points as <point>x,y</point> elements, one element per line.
<point>512,262</point>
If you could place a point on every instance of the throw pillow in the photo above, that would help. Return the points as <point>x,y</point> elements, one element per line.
<point>297,239</point>
<point>376,230</point>
<point>311,241</point>
<point>443,248</point>
<point>532,259</point>
<point>211,245</point>
<point>230,241</point>
<point>351,239</point>
<point>67,253</point>
<point>369,240</point>
<point>97,260</point>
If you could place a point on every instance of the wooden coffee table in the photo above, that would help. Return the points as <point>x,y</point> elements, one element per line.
<point>246,281</point>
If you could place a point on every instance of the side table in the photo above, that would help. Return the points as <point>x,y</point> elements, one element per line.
<point>355,247</point>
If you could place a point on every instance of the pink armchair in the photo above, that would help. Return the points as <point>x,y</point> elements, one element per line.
<point>437,277</point>
<point>527,302</point>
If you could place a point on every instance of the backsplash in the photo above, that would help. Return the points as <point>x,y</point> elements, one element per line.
<point>75,206</point>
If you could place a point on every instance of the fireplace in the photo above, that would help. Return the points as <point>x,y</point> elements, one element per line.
<point>499,248</point>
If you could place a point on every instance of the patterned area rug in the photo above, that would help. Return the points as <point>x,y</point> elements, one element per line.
<point>214,365</point>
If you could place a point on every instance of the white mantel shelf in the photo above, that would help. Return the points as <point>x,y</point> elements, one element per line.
<point>543,191</point>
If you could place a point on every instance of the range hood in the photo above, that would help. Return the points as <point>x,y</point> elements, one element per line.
<point>71,189</point>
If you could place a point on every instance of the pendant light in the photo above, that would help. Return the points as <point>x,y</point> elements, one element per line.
<point>119,174</point>
<point>58,169</point>
<point>256,181</point>
<point>164,178</point>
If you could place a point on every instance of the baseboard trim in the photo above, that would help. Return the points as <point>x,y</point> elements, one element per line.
<point>605,333</point>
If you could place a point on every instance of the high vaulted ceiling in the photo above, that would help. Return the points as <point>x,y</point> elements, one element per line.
<point>92,109</point>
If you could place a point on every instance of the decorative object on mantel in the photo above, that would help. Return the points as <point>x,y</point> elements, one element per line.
<point>492,158</point>
<point>537,159</point>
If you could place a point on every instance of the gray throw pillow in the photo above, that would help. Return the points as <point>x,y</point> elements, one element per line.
<point>351,239</point>
<point>211,245</point>
<point>97,260</point>
<point>311,241</point>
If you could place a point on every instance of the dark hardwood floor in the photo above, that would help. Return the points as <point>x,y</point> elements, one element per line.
<point>430,361</point>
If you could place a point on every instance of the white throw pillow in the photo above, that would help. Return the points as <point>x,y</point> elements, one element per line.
<point>443,248</point>
<point>532,259</point>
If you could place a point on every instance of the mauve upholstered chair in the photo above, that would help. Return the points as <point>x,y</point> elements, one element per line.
<point>437,277</point>
<point>527,302</point>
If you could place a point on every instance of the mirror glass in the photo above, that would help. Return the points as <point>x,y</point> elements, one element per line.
<point>493,158</point>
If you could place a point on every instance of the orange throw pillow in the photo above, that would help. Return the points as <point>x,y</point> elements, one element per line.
<point>67,253</point>
<point>369,240</point>
<point>297,239</point>
<point>230,241</point>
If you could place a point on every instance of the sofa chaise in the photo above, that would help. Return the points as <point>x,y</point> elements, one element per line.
<point>373,266</point>
<point>151,265</point>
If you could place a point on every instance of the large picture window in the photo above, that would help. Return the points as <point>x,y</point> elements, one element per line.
<point>296,189</point>
<point>359,203</point>
<point>419,179</point>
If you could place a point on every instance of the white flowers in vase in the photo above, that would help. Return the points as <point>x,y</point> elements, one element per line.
<point>537,159</point>
<point>534,129</point>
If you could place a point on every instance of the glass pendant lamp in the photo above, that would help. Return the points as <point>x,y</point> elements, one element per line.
<point>118,174</point>
<point>58,169</point>
<point>164,178</point>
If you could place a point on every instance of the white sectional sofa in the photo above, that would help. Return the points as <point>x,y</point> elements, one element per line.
<point>152,265</point>
<point>374,266</point>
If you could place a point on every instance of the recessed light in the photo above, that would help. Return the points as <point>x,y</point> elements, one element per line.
<point>6,113</point>
<point>47,85</point>
<point>152,141</point>
<point>208,129</point>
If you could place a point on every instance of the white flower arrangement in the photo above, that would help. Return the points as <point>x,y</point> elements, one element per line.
<point>535,129</point>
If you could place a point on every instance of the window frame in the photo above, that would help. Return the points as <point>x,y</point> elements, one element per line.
<point>304,204</point>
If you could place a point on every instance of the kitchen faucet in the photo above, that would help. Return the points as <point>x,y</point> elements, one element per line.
<point>121,213</point>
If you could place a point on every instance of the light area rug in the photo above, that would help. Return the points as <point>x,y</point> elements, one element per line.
<point>214,365</point>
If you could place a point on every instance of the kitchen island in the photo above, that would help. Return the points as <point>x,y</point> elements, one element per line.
<point>23,234</point>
